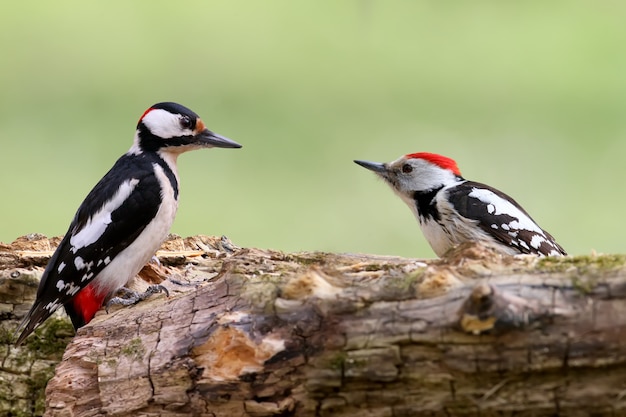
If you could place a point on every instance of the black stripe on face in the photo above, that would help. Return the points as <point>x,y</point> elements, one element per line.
<point>425,204</point>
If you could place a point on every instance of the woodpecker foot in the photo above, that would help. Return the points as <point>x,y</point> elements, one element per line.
<point>128,297</point>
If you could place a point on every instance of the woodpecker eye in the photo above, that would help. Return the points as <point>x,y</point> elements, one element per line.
<point>185,122</point>
<point>406,168</point>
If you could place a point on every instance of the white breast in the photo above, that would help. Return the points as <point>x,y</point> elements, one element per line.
<point>130,261</point>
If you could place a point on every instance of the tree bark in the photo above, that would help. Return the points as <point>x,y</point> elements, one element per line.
<point>25,371</point>
<point>248,332</point>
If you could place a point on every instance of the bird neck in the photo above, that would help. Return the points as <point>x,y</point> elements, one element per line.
<point>168,155</point>
<point>136,148</point>
<point>425,203</point>
<point>170,159</point>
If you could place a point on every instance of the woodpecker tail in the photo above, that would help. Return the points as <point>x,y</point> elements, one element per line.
<point>81,309</point>
<point>31,321</point>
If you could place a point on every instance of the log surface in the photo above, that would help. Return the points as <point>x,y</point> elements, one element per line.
<point>248,332</point>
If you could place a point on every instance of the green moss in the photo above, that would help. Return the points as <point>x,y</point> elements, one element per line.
<point>37,386</point>
<point>134,349</point>
<point>337,361</point>
<point>402,287</point>
<point>35,395</point>
<point>582,264</point>
<point>261,291</point>
<point>583,285</point>
<point>50,339</point>
<point>376,267</point>
<point>16,413</point>
<point>583,271</point>
<point>12,412</point>
<point>6,336</point>
<point>307,259</point>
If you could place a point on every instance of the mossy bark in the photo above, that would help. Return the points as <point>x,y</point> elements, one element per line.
<point>25,371</point>
<point>248,332</point>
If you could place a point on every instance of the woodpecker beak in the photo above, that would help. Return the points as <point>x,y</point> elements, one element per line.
<point>209,139</point>
<point>377,167</point>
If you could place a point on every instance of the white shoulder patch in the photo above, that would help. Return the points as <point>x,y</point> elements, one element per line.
<point>498,205</point>
<point>99,221</point>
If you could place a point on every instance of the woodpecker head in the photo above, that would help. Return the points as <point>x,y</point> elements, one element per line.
<point>173,128</point>
<point>416,172</point>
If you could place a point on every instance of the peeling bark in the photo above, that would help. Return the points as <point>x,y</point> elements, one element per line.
<point>248,332</point>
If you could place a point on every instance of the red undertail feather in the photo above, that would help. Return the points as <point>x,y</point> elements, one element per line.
<point>87,302</point>
<point>439,160</point>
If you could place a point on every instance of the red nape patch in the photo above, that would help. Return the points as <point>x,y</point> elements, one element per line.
<point>87,303</point>
<point>144,114</point>
<point>439,160</point>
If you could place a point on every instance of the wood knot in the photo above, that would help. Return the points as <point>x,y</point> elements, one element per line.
<point>488,309</point>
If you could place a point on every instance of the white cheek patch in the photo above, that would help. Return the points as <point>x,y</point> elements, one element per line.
<point>424,176</point>
<point>98,222</point>
<point>164,124</point>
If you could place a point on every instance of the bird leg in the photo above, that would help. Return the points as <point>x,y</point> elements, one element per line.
<point>127,297</point>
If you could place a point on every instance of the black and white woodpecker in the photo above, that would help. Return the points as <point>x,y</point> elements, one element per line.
<point>123,220</point>
<point>452,210</point>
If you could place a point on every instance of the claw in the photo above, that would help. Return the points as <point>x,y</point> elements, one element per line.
<point>155,260</point>
<point>128,297</point>
<point>154,289</point>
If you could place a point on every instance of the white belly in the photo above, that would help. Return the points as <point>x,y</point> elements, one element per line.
<point>129,262</point>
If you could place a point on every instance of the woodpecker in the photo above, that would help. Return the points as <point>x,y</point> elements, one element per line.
<point>123,220</point>
<point>452,210</point>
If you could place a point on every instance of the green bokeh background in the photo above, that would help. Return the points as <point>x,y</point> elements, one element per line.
<point>529,97</point>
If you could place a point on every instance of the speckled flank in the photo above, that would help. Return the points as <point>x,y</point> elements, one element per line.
<point>496,205</point>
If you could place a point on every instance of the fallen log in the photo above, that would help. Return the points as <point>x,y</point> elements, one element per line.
<point>248,332</point>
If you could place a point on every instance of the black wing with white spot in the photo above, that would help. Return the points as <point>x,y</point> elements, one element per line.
<point>114,213</point>
<point>503,218</point>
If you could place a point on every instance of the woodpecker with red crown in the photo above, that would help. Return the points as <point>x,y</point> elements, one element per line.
<point>123,220</point>
<point>452,210</point>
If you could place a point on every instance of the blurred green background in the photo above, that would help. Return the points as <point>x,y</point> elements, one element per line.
<point>529,97</point>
